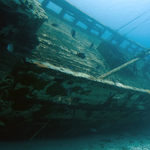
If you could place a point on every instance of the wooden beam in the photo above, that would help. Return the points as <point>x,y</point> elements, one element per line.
<point>142,54</point>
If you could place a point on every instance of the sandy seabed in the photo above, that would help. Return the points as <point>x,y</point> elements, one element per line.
<point>133,140</point>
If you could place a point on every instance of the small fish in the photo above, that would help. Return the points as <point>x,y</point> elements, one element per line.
<point>91,45</point>
<point>54,25</point>
<point>98,67</point>
<point>82,55</point>
<point>70,68</point>
<point>10,47</point>
<point>73,33</point>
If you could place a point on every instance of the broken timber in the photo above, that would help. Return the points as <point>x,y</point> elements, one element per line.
<point>125,65</point>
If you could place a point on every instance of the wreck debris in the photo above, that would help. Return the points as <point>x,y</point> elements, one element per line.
<point>6,82</point>
<point>2,123</point>
<point>38,132</point>
<point>147,52</point>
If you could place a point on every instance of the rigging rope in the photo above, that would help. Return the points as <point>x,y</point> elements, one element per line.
<point>133,20</point>
<point>137,26</point>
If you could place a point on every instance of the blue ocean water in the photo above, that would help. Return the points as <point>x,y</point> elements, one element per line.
<point>116,13</point>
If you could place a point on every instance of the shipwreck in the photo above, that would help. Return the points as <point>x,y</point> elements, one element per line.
<point>44,82</point>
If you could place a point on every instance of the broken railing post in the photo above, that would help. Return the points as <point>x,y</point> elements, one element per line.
<point>45,3</point>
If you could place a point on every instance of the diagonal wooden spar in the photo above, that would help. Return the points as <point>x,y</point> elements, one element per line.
<point>139,56</point>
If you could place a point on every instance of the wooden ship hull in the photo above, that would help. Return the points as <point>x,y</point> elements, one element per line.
<point>43,81</point>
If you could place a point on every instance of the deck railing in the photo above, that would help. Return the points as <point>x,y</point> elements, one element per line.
<point>92,26</point>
